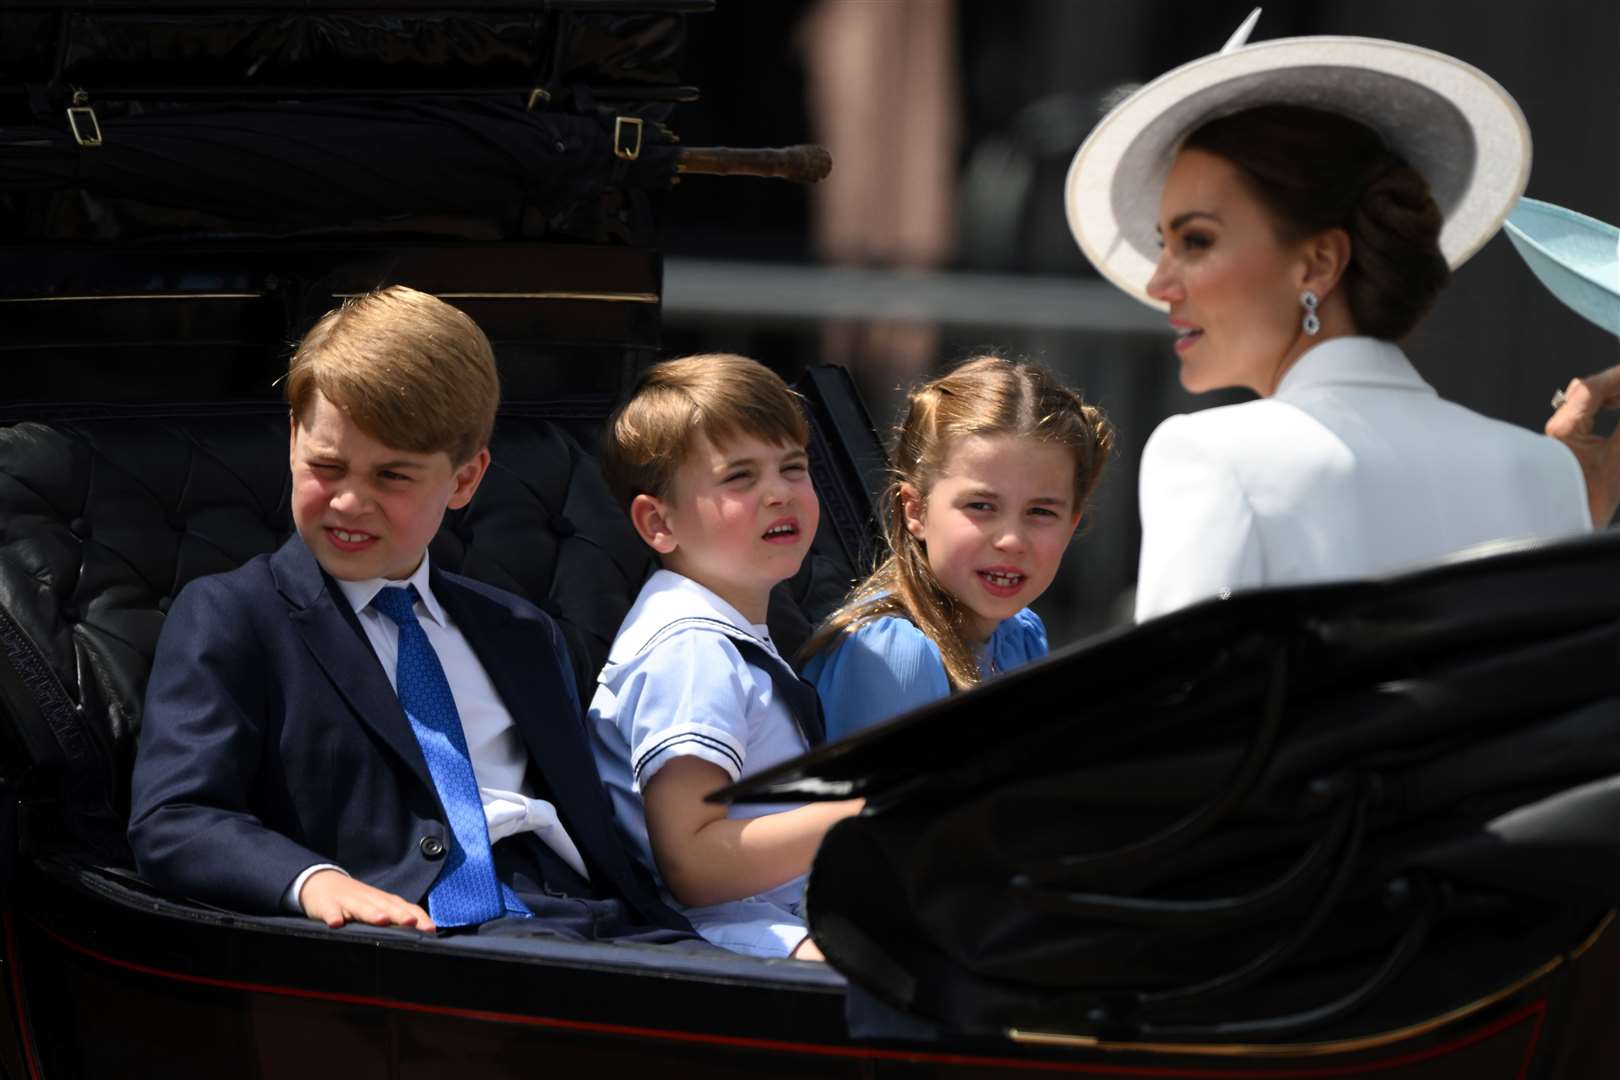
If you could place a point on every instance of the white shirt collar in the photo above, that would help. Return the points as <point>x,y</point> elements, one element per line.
<point>361,593</point>
<point>1356,361</point>
<point>668,596</point>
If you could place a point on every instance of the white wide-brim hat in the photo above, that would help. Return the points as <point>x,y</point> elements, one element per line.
<point>1575,256</point>
<point>1447,119</point>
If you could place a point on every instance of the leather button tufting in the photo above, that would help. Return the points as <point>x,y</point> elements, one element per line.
<point>562,526</point>
<point>177,523</point>
<point>432,847</point>
<point>163,604</point>
<point>80,527</point>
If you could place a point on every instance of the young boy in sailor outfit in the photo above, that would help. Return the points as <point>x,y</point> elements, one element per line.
<point>708,456</point>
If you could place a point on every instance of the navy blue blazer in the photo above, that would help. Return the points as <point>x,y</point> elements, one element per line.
<point>272,740</point>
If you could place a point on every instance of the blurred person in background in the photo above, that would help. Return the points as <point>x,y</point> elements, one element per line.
<point>885,93</point>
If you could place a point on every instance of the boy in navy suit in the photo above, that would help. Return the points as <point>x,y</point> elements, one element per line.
<point>341,729</point>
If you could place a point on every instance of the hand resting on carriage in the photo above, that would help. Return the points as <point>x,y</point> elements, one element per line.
<point>335,898</point>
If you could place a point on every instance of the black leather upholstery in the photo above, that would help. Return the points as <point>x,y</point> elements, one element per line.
<point>105,518</point>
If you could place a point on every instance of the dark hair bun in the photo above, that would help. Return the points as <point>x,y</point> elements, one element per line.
<point>1395,249</point>
<point>1317,170</point>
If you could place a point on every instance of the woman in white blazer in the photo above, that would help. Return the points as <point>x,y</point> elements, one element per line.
<point>1298,245</point>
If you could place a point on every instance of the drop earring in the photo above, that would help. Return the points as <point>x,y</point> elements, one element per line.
<point>1310,324</point>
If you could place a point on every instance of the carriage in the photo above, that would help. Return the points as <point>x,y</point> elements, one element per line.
<point>1363,829</point>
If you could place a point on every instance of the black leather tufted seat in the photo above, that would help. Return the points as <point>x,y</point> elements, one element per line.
<point>106,517</point>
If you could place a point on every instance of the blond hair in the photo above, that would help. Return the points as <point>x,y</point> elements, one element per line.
<point>411,371</point>
<point>716,395</point>
<point>986,396</point>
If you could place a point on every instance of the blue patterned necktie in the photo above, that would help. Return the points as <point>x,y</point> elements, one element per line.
<point>467,891</point>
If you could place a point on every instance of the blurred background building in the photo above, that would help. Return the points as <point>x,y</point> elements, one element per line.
<point>941,232</point>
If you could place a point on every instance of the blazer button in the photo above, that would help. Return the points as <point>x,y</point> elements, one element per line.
<point>432,847</point>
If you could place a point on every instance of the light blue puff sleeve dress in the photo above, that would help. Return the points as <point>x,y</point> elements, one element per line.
<point>887,666</point>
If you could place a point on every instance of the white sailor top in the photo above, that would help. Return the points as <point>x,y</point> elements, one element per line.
<point>683,677</point>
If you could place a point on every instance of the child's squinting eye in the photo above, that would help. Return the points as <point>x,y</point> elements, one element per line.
<point>742,474</point>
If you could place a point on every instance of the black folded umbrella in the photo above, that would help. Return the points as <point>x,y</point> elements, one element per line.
<point>1330,809</point>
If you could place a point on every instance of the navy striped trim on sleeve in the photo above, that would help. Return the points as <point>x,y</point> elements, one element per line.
<point>686,736</point>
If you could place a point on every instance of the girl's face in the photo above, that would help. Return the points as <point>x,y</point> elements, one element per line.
<point>995,524</point>
<point>1233,287</point>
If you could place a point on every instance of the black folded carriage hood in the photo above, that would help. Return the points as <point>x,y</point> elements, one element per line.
<point>1317,810</point>
<point>131,120</point>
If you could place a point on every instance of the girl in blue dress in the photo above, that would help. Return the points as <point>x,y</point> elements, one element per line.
<point>991,472</point>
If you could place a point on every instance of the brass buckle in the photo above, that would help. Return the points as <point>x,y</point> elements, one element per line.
<point>620,150</point>
<point>81,111</point>
<point>538,96</point>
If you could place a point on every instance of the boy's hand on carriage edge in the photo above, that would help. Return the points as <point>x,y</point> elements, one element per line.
<point>335,898</point>
<point>1599,457</point>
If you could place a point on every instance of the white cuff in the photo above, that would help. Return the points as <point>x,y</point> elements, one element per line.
<point>292,899</point>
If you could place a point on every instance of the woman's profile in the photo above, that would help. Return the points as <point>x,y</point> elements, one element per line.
<point>1296,206</point>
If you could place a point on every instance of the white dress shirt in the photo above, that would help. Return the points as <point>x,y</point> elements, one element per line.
<point>1354,467</point>
<point>499,759</point>
<point>691,693</point>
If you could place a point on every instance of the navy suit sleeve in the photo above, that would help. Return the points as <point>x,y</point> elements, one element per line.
<point>202,743</point>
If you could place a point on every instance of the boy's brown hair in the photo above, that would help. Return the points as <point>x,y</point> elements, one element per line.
<point>717,395</point>
<point>411,371</point>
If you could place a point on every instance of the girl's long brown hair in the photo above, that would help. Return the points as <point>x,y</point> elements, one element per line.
<point>989,396</point>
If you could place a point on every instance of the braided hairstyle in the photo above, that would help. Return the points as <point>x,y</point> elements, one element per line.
<point>1317,170</point>
<point>986,396</point>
